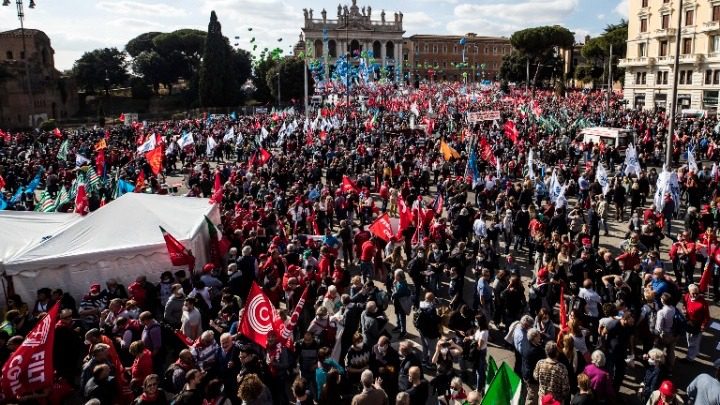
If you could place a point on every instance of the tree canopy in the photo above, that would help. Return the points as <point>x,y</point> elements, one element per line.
<point>539,46</point>
<point>292,85</point>
<point>596,51</point>
<point>100,69</point>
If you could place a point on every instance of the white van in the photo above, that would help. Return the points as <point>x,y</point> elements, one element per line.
<point>619,138</point>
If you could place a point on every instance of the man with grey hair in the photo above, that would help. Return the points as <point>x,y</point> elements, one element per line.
<point>371,394</point>
<point>551,375</point>
<point>532,354</point>
<point>517,336</point>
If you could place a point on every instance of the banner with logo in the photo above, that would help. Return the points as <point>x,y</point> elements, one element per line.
<point>479,116</point>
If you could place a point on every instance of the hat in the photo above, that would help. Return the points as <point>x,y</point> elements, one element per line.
<point>542,273</point>
<point>95,289</point>
<point>667,388</point>
<point>208,268</point>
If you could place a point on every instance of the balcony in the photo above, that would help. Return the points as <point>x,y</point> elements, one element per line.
<point>713,56</point>
<point>710,26</point>
<point>663,60</point>
<point>664,33</point>
<point>640,61</point>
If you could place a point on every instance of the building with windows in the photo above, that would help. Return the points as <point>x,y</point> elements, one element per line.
<point>652,29</point>
<point>440,57</point>
<point>354,31</point>
<point>31,89</point>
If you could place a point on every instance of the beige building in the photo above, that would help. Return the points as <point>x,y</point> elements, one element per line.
<point>353,31</point>
<point>53,96</point>
<point>651,51</point>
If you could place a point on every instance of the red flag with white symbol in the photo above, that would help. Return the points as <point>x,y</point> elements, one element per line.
<point>259,317</point>
<point>382,228</point>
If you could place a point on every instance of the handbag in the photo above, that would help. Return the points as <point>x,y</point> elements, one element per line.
<point>406,304</point>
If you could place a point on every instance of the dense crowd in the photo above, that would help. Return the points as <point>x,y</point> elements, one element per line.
<point>490,255</point>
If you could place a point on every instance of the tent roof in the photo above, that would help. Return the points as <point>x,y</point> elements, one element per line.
<point>23,229</point>
<point>126,227</point>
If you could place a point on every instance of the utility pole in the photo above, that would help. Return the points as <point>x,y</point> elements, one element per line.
<point>527,74</point>
<point>305,80</point>
<point>673,95</point>
<point>610,81</point>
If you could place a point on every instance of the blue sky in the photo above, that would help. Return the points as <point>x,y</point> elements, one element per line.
<point>76,26</point>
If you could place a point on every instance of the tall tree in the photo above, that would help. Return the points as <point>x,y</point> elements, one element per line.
<point>540,46</point>
<point>217,85</point>
<point>596,51</point>
<point>141,43</point>
<point>100,69</point>
<point>291,79</point>
<point>260,72</point>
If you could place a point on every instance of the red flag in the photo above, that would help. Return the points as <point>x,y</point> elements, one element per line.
<point>155,160</point>
<point>348,185</point>
<point>122,117</point>
<point>382,228</point>
<point>511,131</point>
<point>259,317</point>
<point>100,162</point>
<point>183,338</point>
<point>705,278</point>
<point>286,333</point>
<point>214,253</point>
<point>140,182</point>
<point>30,367</point>
<point>217,196</point>
<point>2,182</point>
<point>486,152</point>
<point>81,200</point>
<point>5,136</point>
<point>406,216</point>
<point>323,136</point>
<point>563,310</point>
<point>179,255</point>
<point>264,156</point>
<point>57,133</point>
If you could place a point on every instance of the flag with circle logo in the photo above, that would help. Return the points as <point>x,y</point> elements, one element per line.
<point>259,317</point>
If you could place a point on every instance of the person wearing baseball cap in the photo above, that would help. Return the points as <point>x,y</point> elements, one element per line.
<point>705,388</point>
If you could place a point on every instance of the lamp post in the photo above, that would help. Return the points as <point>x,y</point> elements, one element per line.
<point>673,95</point>
<point>21,17</point>
<point>347,60</point>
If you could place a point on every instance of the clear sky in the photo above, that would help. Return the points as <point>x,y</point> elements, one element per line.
<point>77,26</point>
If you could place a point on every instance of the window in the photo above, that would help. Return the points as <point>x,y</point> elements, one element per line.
<point>686,46</point>
<point>642,50</point>
<point>715,43</point>
<point>486,50</point>
<point>681,80</point>
<point>22,54</point>
<point>716,13</point>
<point>637,78</point>
<point>689,14</point>
<point>663,48</point>
<point>716,77</point>
<point>454,48</point>
<point>708,77</point>
<point>664,21</point>
<point>426,48</point>
<point>688,77</point>
<point>644,77</point>
<point>9,55</point>
<point>643,25</point>
<point>644,3</point>
<point>435,49</point>
<point>661,78</point>
<point>494,49</point>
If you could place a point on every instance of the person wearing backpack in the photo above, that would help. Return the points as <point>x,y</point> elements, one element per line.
<point>665,331</point>
<point>427,322</point>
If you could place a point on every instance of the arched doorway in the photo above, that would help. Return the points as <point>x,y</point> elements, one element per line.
<point>390,50</point>
<point>332,48</point>
<point>377,50</point>
<point>318,45</point>
<point>355,47</point>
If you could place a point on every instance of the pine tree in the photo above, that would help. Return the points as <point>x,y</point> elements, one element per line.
<point>217,85</point>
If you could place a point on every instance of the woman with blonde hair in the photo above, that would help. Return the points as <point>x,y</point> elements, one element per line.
<point>655,373</point>
<point>600,379</point>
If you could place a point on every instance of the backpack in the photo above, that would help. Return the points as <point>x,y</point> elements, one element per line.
<point>167,383</point>
<point>679,326</point>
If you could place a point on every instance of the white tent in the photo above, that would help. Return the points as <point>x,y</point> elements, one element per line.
<point>121,240</point>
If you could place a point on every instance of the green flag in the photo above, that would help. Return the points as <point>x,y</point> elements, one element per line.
<point>46,204</point>
<point>93,180</point>
<point>492,369</point>
<point>63,198</point>
<point>504,388</point>
<point>63,151</point>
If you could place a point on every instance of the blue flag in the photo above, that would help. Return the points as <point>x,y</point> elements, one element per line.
<point>233,116</point>
<point>124,187</point>
<point>30,188</point>
<point>472,162</point>
<point>3,203</point>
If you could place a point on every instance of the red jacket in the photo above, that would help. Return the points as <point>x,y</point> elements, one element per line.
<point>142,366</point>
<point>368,251</point>
<point>697,311</point>
<point>675,251</point>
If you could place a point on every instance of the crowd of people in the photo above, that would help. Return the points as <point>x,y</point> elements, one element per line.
<point>485,253</point>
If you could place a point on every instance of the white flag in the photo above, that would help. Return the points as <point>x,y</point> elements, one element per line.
<point>229,135</point>
<point>692,164</point>
<point>530,162</point>
<point>555,187</point>
<point>602,178</point>
<point>186,139</point>
<point>661,189</point>
<point>414,109</point>
<point>713,171</point>
<point>81,160</point>
<point>631,161</point>
<point>263,134</point>
<point>561,200</point>
<point>211,144</point>
<point>148,145</point>
<point>674,187</point>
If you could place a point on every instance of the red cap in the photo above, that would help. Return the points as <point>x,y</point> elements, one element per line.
<point>667,388</point>
<point>208,268</point>
<point>548,399</point>
<point>95,289</point>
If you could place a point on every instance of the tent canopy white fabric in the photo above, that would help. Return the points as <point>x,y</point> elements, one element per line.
<point>121,240</point>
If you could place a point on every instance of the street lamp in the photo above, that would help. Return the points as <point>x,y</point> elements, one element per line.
<point>673,96</point>
<point>21,17</point>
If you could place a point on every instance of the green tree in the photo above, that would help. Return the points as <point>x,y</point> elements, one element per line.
<point>259,78</point>
<point>539,45</point>
<point>141,43</point>
<point>217,86</point>
<point>100,69</point>
<point>597,52</point>
<point>154,69</point>
<point>292,85</point>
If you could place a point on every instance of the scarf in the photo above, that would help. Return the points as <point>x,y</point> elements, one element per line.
<point>148,398</point>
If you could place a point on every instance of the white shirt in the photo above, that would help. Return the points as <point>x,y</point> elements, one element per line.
<point>480,228</point>
<point>593,300</point>
<point>481,339</point>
